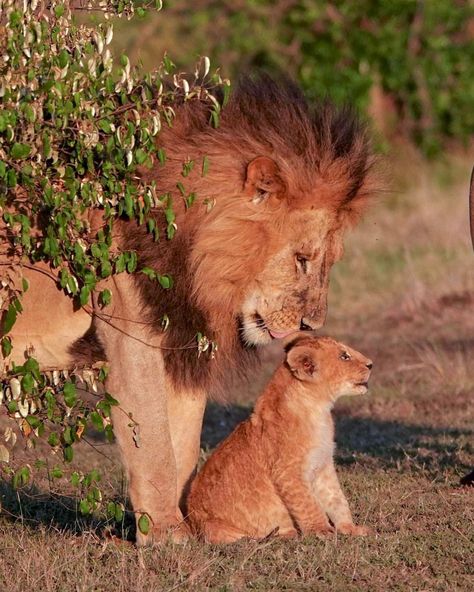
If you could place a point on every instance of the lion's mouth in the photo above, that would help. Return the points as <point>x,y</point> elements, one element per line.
<point>261,324</point>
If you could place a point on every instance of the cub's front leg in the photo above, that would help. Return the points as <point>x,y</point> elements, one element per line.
<point>328,492</point>
<point>297,495</point>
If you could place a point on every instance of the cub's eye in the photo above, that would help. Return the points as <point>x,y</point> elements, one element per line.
<point>302,263</point>
<point>345,356</point>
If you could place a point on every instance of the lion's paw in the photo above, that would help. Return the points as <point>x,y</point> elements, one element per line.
<point>354,529</point>
<point>178,533</point>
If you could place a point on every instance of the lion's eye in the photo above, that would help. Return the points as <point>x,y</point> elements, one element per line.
<point>345,356</point>
<point>302,263</point>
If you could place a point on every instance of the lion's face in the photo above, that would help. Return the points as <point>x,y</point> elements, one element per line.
<point>290,293</point>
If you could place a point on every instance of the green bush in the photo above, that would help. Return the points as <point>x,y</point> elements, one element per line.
<point>74,126</point>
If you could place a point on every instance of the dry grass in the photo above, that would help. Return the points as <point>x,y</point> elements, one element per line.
<point>405,296</point>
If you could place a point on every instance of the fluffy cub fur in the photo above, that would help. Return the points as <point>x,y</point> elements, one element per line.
<point>275,473</point>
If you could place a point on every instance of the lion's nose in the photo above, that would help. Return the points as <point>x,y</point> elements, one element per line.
<point>369,365</point>
<point>305,326</point>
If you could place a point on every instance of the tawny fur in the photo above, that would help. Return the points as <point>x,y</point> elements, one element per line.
<point>275,473</point>
<point>250,261</point>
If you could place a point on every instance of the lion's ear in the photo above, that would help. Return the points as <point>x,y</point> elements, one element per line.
<point>263,180</point>
<point>302,363</point>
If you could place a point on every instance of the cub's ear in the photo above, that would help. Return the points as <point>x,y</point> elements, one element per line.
<point>301,362</point>
<point>263,180</point>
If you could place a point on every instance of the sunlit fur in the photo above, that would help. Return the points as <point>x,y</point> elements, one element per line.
<point>275,473</point>
<point>236,263</point>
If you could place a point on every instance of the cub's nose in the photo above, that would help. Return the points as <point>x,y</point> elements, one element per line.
<point>369,365</point>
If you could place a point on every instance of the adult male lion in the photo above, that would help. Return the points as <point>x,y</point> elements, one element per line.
<point>250,262</point>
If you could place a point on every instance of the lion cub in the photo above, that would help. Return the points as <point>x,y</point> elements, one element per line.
<point>275,473</point>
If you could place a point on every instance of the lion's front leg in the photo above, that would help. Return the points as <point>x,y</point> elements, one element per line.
<point>142,430</point>
<point>186,411</point>
<point>141,423</point>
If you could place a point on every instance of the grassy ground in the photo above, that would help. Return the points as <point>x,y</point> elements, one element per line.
<point>405,296</point>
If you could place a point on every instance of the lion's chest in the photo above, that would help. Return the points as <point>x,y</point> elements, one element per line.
<point>321,450</point>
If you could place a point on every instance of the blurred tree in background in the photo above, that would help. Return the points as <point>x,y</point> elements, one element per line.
<point>409,64</point>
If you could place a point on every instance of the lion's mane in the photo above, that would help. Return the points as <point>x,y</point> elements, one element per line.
<point>323,154</point>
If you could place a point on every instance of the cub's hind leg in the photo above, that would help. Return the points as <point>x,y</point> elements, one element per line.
<point>216,531</point>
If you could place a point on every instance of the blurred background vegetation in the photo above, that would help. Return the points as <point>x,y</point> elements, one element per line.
<point>407,64</point>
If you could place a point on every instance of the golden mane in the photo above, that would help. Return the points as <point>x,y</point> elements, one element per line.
<point>223,240</point>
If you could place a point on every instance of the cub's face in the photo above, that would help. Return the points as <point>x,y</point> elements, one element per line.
<point>332,367</point>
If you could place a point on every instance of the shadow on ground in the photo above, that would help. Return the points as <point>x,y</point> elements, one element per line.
<point>373,443</point>
<point>377,443</point>
<point>32,507</point>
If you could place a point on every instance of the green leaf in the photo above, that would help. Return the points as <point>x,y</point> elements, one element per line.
<point>149,272</point>
<point>63,58</point>
<point>70,396</point>
<point>119,512</point>
<point>68,453</point>
<point>140,155</point>
<point>27,383</point>
<point>53,439</point>
<point>19,151</point>
<point>205,165</point>
<point>12,406</point>
<point>84,295</point>
<point>161,156</point>
<point>75,479</point>
<point>56,473</point>
<point>166,281</point>
<point>105,297</point>
<point>29,113</point>
<point>9,319</point>
<point>215,119</point>
<point>6,346</point>
<point>21,477</point>
<point>33,421</point>
<point>144,524</point>
<point>105,268</point>
<point>59,10</point>
<point>31,365</point>
<point>68,436</point>
<point>72,284</point>
<point>96,251</point>
<point>105,126</point>
<point>85,507</point>
<point>132,262</point>
<point>109,433</point>
<point>97,421</point>
<point>111,509</point>
<point>120,263</point>
<point>11,179</point>
<point>46,146</point>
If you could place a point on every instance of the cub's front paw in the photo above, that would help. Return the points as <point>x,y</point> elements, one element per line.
<point>321,531</point>
<point>354,529</point>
